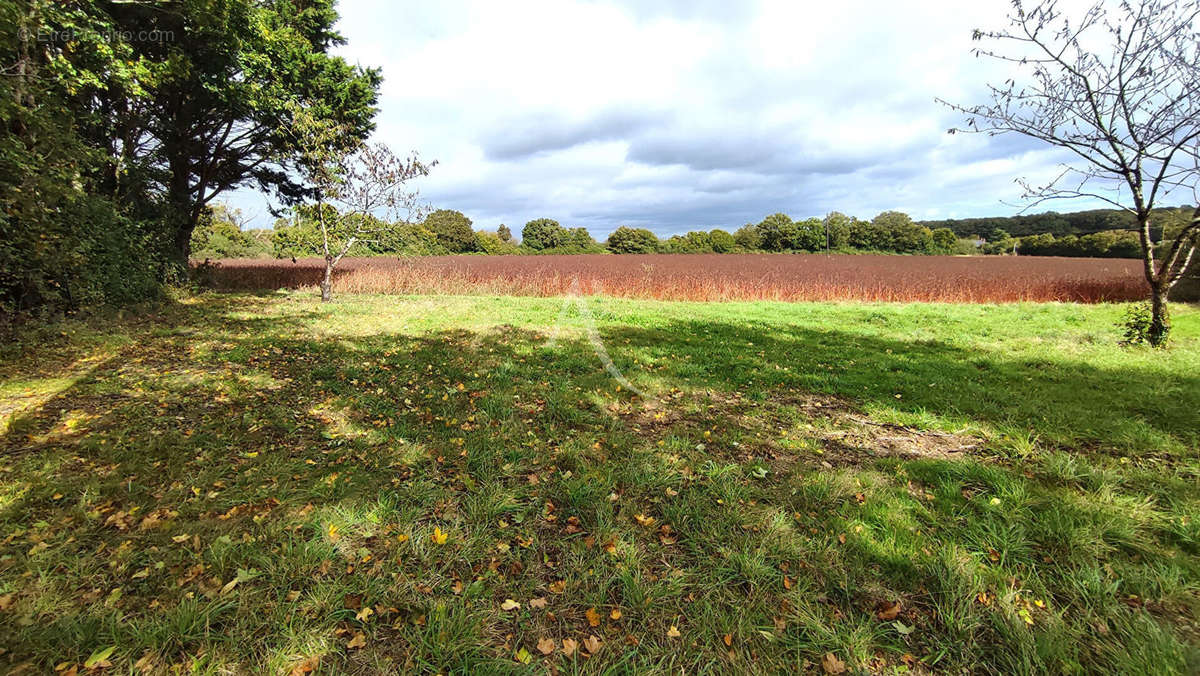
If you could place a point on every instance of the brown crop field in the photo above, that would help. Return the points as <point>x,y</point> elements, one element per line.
<point>811,277</point>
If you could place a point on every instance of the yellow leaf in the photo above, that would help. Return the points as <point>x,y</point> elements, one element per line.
<point>438,537</point>
<point>333,532</point>
<point>615,614</point>
<point>358,641</point>
<point>593,617</point>
<point>509,604</point>
<point>673,632</point>
<point>180,538</point>
<point>644,520</point>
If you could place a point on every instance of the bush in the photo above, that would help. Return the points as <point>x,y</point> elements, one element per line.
<point>543,233</point>
<point>627,240</point>
<point>453,230</point>
<point>1137,322</point>
<point>493,244</point>
<point>721,241</point>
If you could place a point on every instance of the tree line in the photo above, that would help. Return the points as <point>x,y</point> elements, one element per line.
<point>447,231</point>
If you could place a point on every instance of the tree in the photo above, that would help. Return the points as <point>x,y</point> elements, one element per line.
<point>748,237</point>
<point>453,230</point>
<point>722,242</point>
<point>504,233</point>
<point>351,182</point>
<point>944,240</point>
<point>213,109</point>
<point>543,233</point>
<point>627,240</point>
<point>837,229</point>
<point>902,233</point>
<point>810,235</point>
<point>778,232</point>
<point>1117,90</point>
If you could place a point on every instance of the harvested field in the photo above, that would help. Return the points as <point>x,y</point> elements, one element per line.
<point>801,277</point>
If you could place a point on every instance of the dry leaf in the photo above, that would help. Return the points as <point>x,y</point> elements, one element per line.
<point>592,644</point>
<point>358,641</point>
<point>728,639</point>
<point>509,604</point>
<point>307,666</point>
<point>545,646</point>
<point>558,586</point>
<point>570,645</point>
<point>539,602</point>
<point>832,665</point>
<point>438,537</point>
<point>593,617</point>
<point>615,614</point>
<point>673,632</point>
<point>644,520</point>
<point>888,611</point>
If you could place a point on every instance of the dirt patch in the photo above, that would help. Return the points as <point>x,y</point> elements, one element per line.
<point>796,427</point>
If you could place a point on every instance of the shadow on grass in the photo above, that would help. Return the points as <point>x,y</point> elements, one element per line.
<point>233,493</point>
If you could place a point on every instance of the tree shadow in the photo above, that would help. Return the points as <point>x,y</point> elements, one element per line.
<point>224,474</point>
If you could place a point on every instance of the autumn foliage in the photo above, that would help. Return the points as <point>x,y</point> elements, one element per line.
<point>814,277</point>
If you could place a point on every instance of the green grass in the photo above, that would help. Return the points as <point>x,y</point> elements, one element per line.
<point>229,485</point>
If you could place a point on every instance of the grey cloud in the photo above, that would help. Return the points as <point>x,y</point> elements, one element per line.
<point>540,133</point>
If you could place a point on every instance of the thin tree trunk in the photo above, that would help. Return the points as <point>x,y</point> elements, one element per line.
<point>327,281</point>
<point>1159,318</point>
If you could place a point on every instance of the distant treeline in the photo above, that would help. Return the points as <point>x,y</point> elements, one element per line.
<point>450,232</point>
<point>1103,233</point>
<point>1053,223</point>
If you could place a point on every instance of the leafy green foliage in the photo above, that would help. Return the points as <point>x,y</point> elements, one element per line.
<point>453,230</point>
<point>627,240</point>
<point>543,233</point>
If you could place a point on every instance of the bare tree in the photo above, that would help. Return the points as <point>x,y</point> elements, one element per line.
<point>1118,90</point>
<point>360,189</point>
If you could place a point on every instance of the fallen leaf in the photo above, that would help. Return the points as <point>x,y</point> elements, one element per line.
<point>558,587</point>
<point>307,666</point>
<point>728,639</point>
<point>888,611</point>
<point>523,656</point>
<point>673,632</point>
<point>593,617</point>
<point>438,537</point>
<point>539,602</point>
<point>358,641</point>
<point>545,646</point>
<point>509,604</point>
<point>832,665</point>
<point>570,645</point>
<point>615,614</point>
<point>644,520</point>
<point>592,644</point>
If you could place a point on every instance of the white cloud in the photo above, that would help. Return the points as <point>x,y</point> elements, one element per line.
<point>681,114</point>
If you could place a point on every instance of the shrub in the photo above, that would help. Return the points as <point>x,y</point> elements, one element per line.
<point>721,241</point>
<point>1136,323</point>
<point>543,233</point>
<point>626,240</point>
<point>453,230</point>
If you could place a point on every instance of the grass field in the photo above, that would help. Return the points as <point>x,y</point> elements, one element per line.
<point>261,483</point>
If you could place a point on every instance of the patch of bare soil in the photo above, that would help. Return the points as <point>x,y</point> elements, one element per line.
<point>792,428</point>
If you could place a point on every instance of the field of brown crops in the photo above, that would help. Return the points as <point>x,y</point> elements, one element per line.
<point>992,279</point>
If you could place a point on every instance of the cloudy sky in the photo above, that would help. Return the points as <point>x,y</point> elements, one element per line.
<point>684,114</point>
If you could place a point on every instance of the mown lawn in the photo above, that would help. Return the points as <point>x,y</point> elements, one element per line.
<point>241,483</point>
